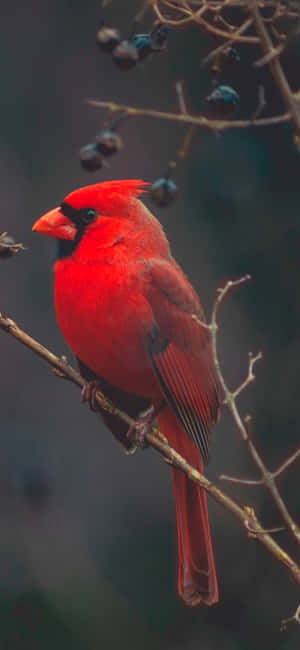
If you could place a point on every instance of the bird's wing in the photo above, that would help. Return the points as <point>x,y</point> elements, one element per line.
<point>181,354</point>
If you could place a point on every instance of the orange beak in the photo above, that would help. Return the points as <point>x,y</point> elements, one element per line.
<point>55,224</point>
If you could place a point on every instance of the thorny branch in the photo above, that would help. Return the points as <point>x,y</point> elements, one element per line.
<point>246,515</point>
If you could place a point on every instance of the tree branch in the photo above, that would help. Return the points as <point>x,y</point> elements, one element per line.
<point>268,478</point>
<point>245,514</point>
<point>186,118</point>
<point>197,16</point>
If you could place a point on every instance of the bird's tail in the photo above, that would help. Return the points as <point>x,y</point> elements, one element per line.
<point>197,582</point>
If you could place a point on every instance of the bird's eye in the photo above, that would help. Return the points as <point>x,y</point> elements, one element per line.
<point>89,216</point>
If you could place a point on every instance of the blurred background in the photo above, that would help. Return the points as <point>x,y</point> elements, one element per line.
<point>87,544</point>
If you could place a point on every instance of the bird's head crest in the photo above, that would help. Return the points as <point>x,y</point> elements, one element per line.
<point>107,196</point>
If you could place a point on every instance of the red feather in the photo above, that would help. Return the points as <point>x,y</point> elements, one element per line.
<point>197,582</point>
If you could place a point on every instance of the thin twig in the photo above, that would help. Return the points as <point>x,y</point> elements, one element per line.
<point>185,147</point>
<point>230,400</point>
<point>261,104</point>
<point>287,463</point>
<point>295,618</point>
<point>250,376</point>
<point>227,44</point>
<point>181,96</point>
<point>192,16</point>
<point>241,481</point>
<point>252,482</point>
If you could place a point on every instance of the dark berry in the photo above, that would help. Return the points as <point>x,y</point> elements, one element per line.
<point>108,142</point>
<point>90,158</point>
<point>223,101</point>
<point>108,38</point>
<point>143,44</point>
<point>7,246</point>
<point>125,55</point>
<point>163,191</point>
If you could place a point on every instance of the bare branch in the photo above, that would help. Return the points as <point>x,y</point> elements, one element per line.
<point>267,58</point>
<point>241,481</point>
<point>186,118</point>
<point>184,149</point>
<point>227,44</point>
<point>261,104</point>
<point>230,400</point>
<point>250,377</point>
<point>275,65</point>
<point>197,16</point>
<point>182,103</point>
<point>245,515</point>
<point>295,618</point>
<point>287,463</point>
<point>252,482</point>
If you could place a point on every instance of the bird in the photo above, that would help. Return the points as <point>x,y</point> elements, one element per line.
<point>137,329</point>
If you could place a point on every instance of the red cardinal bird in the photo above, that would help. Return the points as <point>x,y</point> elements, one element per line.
<point>130,316</point>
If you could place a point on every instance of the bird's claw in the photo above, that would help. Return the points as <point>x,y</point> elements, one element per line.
<point>88,394</point>
<point>142,425</point>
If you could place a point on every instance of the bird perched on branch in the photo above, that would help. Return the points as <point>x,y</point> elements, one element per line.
<point>133,321</point>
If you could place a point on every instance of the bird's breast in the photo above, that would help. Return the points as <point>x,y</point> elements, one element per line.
<point>106,320</point>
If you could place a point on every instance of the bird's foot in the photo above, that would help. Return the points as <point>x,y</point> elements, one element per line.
<point>88,394</point>
<point>143,425</point>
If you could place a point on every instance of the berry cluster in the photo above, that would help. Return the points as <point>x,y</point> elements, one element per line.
<point>126,53</point>
<point>222,102</point>
<point>106,143</point>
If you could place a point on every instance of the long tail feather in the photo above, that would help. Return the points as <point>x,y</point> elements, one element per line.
<point>197,582</point>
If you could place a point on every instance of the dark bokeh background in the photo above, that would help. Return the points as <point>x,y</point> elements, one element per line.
<point>86,544</point>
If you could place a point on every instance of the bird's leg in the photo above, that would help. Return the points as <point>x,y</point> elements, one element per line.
<point>88,394</point>
<point>138,431</point>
